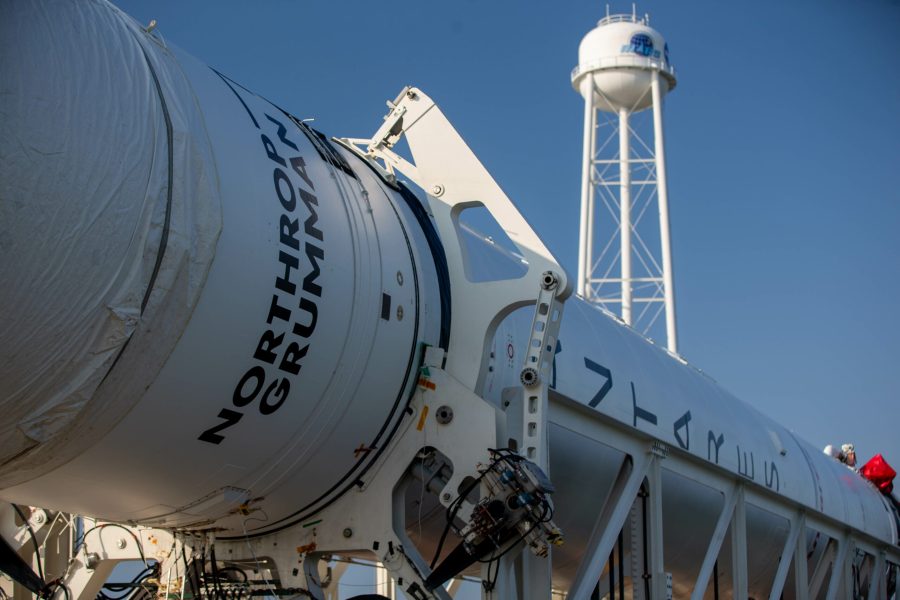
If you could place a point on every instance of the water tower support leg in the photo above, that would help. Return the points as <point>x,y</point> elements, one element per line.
<point>662,193</point>
<point>625,212</point>
<point>584,261</point>
<point>592,192</point>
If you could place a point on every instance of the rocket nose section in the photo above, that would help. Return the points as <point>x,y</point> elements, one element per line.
<point>82,170</point>
<point>85,205</point>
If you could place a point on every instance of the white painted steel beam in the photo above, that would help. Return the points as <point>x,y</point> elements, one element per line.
<point>801,565</point>
<point>609,523</point>
<point>739,546</point>
<point>715,544</point>
<point>784,563</point>
<point>821,570</point>
<point>662,198</point>
<point>625,214</point>
<point>878,578</point>
<point>586,192</point>
<point>840,570</point>
<point>655,521</point>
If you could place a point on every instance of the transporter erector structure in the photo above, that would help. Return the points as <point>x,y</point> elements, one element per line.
<point>241,346</point>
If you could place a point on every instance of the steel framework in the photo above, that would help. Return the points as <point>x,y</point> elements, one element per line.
<point>843,563</point>
<point>627,179</point>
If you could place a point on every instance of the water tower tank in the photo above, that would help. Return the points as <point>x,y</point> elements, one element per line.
<point>619,57</point>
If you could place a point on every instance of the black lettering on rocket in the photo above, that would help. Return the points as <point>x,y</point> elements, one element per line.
<point>293,310</point>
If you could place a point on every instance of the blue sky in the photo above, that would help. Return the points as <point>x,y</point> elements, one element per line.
<point>783,144</point>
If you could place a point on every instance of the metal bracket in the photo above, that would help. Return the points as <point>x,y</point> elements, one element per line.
<point>373,516</point>
<point>535,374</point>
<point>454,179</point>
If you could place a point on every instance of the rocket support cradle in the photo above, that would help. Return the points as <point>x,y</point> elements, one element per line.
<point>233,328</point>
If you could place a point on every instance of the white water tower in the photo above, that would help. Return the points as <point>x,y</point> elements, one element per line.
<point>623,69</point>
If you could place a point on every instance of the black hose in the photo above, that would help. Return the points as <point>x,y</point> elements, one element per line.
<point>612,574</point>
<point>215,571</point>
<point>646,576</point>
<point>137,541</point>
<point>621,566</point>
<point>716,580</point>
<point>192,579</point>
<point>129,588</point>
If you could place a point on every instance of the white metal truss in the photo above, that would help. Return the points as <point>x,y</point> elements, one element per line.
<point>846,555</point>
<point>828,574</point>
<point>454,180</point>
<point>632,278</point>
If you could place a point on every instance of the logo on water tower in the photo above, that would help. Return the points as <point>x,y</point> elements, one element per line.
<point>642,45</point>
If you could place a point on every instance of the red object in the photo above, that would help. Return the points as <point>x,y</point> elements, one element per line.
<point>880,473</point>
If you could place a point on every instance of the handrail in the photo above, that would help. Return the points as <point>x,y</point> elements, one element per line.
<point>621,19</point>
<point>623,61</point>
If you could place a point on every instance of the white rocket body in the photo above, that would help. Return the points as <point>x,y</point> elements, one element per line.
<point>280,332</point>
<point>206,305</point>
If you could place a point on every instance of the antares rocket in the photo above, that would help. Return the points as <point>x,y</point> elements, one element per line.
<point>217,319</point>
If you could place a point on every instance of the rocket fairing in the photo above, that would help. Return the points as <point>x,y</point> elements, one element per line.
<point>221,278</point>
<point>206,304</point>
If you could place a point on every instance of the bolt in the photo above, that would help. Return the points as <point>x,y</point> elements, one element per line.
<point>446,497</point>
<point>399,313</point>
<point>348,532</point>
<point>549,281</point>
<point>444,415</point>
<point>39,518</point>
<point>121,544</point>
<point>399,278</point>
<point>529,377</point>
<point>437,190</point>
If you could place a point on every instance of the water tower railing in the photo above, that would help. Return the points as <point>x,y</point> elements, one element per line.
<point>610,62</point>
<point>621,19</point>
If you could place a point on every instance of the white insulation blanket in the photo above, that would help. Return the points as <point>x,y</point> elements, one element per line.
<point>109,214</point>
